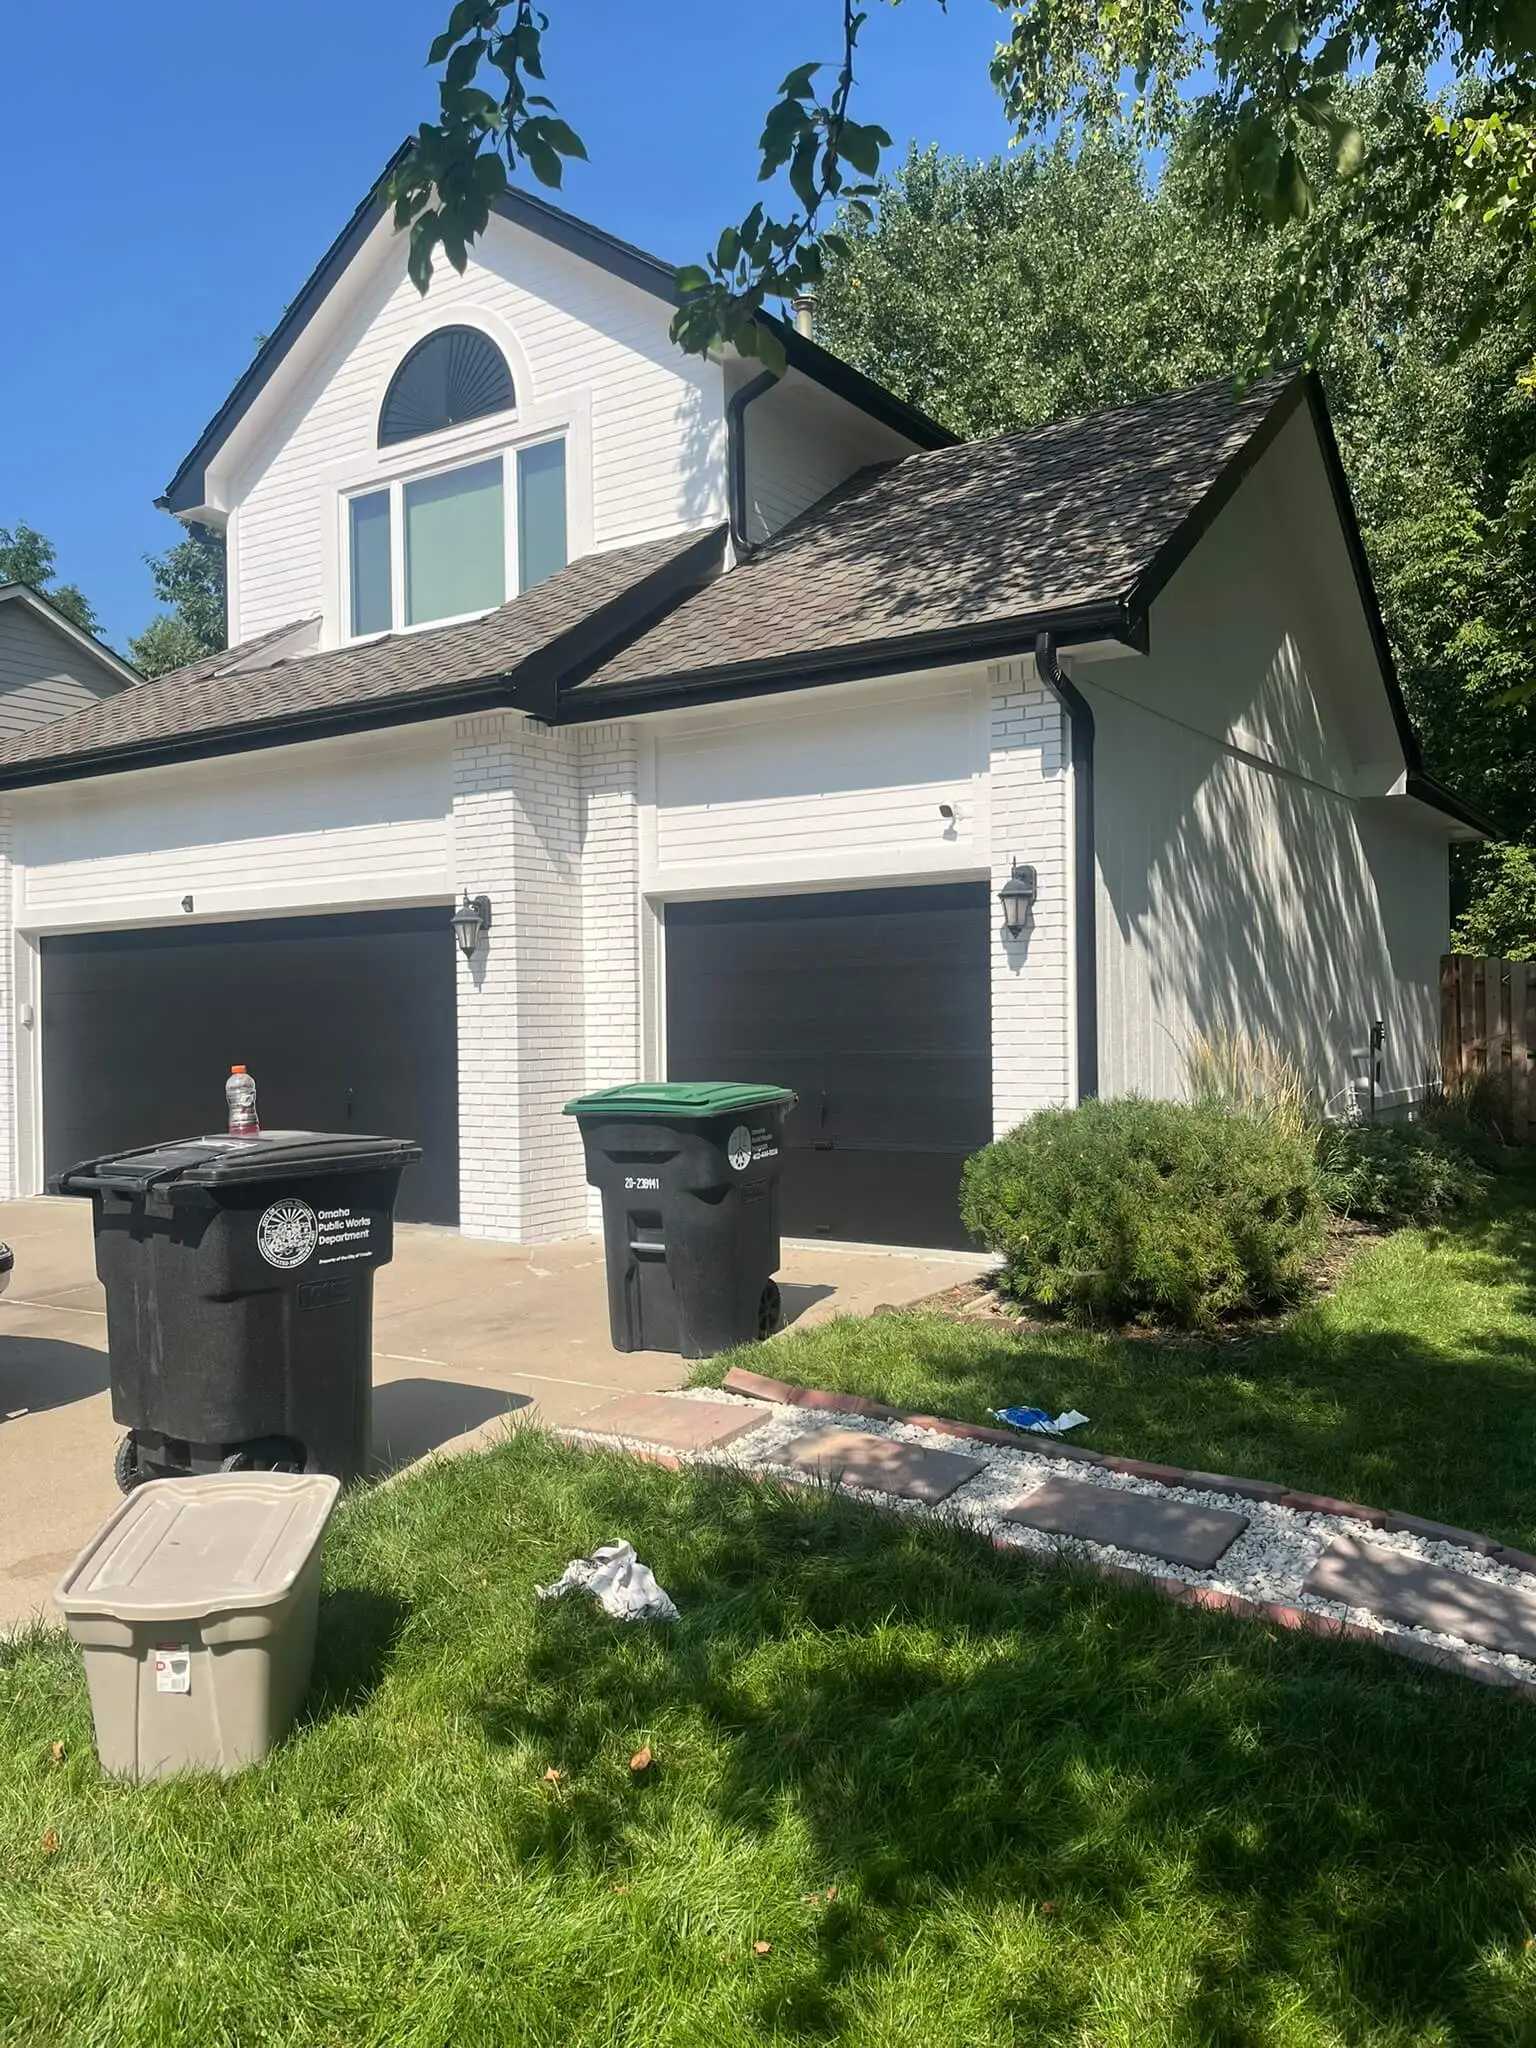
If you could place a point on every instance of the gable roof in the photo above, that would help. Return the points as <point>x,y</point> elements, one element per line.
<point>1071,528</point>
<point>83,645</point>
<point>234,702</point>
<point>187,489</point>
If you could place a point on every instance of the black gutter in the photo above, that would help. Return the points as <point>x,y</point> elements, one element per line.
<point>736,457</point>
<point>589,702</point>
<point>1428,791</point>
<point>1085,884</point>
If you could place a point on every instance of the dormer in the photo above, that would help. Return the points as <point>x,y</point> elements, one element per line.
<point>391,461</point>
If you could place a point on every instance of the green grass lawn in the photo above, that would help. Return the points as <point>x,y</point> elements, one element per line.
<point>963,1801</point>
<point>1413,1386</point>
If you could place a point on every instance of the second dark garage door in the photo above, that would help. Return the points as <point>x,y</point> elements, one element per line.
<point>874,1005</point>
<point>347,1022</point>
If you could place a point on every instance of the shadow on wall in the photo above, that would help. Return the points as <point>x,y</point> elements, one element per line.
<point>1243,900</point>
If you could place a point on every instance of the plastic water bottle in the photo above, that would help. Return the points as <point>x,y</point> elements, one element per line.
<point>240,1094</point>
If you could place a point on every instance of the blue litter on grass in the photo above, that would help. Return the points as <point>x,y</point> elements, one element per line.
<point>1040,1420</point>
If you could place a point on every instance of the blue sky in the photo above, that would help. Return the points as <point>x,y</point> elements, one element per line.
<point>188,161</point>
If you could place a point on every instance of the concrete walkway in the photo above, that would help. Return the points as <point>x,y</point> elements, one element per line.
<point>465,1335</point>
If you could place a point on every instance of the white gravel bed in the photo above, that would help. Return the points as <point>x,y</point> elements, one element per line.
<point>1268,1562</point>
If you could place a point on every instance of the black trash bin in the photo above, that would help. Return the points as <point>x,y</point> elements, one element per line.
<point>239,1282</point>
<point>689,1174</point>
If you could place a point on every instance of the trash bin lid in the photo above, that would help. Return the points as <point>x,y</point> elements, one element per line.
<point>217,1161</point>
<point>680,1098</point>
<point>184,1548</point>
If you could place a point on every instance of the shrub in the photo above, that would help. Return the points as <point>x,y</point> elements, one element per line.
<point>1135,1209</point>
<point>1401,1173</point>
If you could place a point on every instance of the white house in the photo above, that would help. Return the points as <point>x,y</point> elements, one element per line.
<point>738,701</point>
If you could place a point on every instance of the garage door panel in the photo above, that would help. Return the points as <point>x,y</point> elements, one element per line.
<point>875,1007</point>
<point>347,1022</point>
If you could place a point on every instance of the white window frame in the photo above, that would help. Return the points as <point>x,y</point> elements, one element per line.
<point>456,448</point>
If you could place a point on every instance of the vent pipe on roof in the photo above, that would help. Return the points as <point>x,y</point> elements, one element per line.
<point>804,310</point>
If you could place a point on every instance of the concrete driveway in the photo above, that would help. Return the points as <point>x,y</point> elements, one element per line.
<point>465,1334</point>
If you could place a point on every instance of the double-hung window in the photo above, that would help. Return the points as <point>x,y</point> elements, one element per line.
<point>455,542</point>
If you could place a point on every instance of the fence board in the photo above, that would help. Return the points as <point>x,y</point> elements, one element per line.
<point>1488,1032</point>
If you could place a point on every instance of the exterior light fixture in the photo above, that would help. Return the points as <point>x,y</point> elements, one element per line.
<point>1017,896</point>
<point>470,920</point>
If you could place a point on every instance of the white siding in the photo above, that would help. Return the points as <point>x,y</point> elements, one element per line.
<point>42,675</point>
<point>335,823</point>
<point>817,788</point>
<point>1244,887</point>
<point>589,353</point>
<point>802,442</point>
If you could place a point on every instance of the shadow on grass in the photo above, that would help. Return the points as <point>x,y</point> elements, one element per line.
<point>356,1638</point>
<point>961,1737</point>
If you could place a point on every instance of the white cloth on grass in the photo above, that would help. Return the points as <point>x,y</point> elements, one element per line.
<point>626,1588</point>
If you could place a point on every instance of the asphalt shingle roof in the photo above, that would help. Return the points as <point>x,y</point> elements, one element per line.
<point>985,533</point>
<point>205,699</point>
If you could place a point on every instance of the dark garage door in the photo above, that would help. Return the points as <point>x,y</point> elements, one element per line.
<point>347,1022</point>
<point>874,1006</point>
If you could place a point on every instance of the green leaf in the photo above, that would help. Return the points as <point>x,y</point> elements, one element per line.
<point>559,135</point>
<point>862,145</point>
<point>802,171</point>
<point>690,279</point>
<point>770,350</point>
<point>798,84</point>
<point>463,64</point>
<point>542,161</point>
<point>424,237</point>
<point>1288,34</point>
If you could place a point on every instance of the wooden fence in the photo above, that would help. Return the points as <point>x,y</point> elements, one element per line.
<point>1488,1026</point>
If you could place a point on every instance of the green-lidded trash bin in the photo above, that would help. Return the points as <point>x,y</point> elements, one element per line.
<point>239,1282</point>
<point>689,1175</point>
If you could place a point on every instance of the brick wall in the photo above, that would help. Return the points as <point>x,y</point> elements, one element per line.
<point>1031,807</point>
<point>610,911</point>
<point>516,819</point>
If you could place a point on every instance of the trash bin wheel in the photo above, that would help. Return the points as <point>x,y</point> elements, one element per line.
<point>266,1454</point>
<point>770,1311</point>
<point>126,1468</point>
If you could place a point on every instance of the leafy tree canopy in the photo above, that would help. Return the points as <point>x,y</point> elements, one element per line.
<point>27,556</point>
<point>1265,82</point>
<point>190,579</point>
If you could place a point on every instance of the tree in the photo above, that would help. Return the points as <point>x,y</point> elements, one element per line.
<point>26,556</point>
<point>190,578</point>
<point>1265,82</point>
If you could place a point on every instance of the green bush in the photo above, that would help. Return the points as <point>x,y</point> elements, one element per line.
<point>1402,1173</point>
<point>1149,1210</point>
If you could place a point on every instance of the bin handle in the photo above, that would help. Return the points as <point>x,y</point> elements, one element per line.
<point>80,1179</point>
<point>648,1245</point>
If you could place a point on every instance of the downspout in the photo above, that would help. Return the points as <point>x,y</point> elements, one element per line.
<point>736,460</point>
<point>1084,877</point>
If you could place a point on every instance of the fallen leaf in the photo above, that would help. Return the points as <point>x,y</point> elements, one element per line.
<point>1048,1908</point>
<point>551,1776</point>
<point>621,1887</point>
<point>58,1752</point>
<point>761,1948</point>
<point>641,1760</point>
<point>51,1842</point>
<point>831,1893</point>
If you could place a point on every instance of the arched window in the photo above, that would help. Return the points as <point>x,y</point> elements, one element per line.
<point>456,374</point>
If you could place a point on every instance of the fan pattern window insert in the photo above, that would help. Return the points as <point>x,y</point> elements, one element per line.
<point>456,374</point>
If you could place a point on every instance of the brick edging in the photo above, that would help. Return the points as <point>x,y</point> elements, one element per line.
<point>1302,1620</point>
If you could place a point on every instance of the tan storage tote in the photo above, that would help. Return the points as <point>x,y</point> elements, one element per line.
<point>195,1606</point>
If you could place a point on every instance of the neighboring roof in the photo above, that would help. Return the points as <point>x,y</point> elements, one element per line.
<point>513,656</point>
<point>1070,528</point>
<point>25,598</point>
<point>187,489</point>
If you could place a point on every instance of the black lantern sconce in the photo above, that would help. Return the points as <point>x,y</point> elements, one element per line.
<point>1017,896</point>
<point>470,921</point>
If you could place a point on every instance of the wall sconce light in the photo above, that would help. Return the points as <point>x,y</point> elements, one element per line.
<point>1017,896</point>
<point>470,920</point>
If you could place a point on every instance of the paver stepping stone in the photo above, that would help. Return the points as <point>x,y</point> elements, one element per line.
<point>1170,1529</point>
<point>849,1457</point>
<point>1403,1588</point>
<point>675,1425</point>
